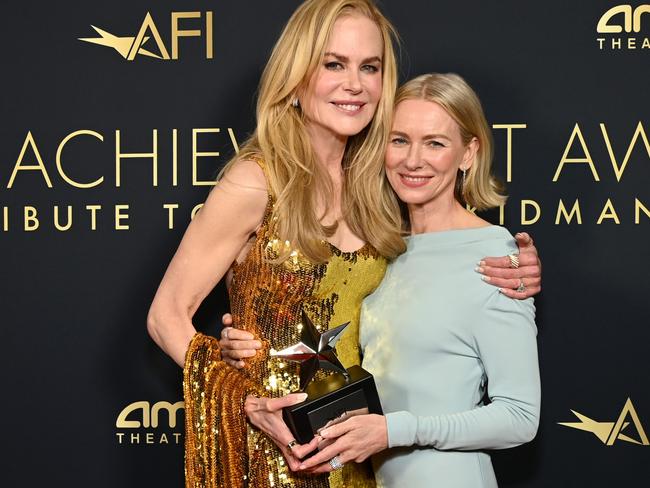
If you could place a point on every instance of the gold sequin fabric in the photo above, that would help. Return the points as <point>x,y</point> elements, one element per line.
<point>267,298</point>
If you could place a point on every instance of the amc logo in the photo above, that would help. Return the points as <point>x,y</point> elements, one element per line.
<point>631,19</point>
<point>149,414</point>
<point>143,415</point>
<point>131,46</point>
<point>623,18</point>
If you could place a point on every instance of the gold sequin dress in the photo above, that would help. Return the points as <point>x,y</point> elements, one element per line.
<point>223,450</point>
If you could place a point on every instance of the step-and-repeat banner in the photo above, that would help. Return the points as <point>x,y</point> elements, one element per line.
<point>116,117</point>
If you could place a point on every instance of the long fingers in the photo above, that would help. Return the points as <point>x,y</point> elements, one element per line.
<point>275,404</point>
<point>301,450</point>
<point>323,456</point>
<point>503,262</point>
<point>232,334</point>
<point>525,242</point>
<point>236,345</point>
<point>529,291</point>
<point>532,271</point>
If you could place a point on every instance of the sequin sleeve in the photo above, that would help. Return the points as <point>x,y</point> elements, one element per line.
<point>215,422</point>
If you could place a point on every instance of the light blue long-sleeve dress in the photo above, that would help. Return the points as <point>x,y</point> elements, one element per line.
<point>436,338</point>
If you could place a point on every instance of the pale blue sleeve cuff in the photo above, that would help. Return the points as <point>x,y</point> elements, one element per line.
<point>401,427</point>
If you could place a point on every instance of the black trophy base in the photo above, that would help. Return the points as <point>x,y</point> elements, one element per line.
<point>332,400</point>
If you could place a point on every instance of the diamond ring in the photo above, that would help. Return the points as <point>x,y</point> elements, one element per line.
<point>335,463</point>
<point>521,286</point>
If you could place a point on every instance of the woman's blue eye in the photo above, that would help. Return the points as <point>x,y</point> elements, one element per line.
<point>436,144</point>
<point>398,140</point>
<point>370,68</point>
<point>333,65</point>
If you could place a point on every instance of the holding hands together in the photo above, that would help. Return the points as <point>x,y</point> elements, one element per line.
<point>361,436</point>
<point>353,440</point>
<point>266,415</point>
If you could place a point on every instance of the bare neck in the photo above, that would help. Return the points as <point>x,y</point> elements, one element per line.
<point>441,215</point>
<point>328,148</point>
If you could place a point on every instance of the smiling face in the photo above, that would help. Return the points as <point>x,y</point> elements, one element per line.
<point>424,153</point>
<point>342,95</point>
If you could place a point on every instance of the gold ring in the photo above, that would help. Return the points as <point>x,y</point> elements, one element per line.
<point>292,444</point>
<point>514,260</point>
<point>521,286</point>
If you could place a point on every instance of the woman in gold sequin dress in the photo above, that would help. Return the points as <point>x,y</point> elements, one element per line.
<point>301,220</point>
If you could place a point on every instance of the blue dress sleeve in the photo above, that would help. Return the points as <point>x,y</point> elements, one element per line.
<point>505,342</point>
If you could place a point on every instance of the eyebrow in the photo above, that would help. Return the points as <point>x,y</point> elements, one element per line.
<point>345,59</point>
<point>427,136</point>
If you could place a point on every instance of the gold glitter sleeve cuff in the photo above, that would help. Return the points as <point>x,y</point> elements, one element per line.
<point>215,422</point>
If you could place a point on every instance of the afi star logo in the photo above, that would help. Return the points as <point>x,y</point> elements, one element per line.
<point>131,46</point>
<point>610,432</point>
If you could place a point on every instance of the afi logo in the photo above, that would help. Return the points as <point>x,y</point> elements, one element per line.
<point>149,414</point>
<point>131,46</point>
<point>631,19</point>
<point>610,432</point>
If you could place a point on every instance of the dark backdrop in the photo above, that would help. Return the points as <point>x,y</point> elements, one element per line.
<point>75,351</point>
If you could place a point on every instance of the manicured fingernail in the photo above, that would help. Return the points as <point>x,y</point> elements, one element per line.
<point>302,466</point>
<point>481,263</point>
<point>486,278</point>
<point>302,397</point>
<point>478,269</point>
<point>258,344</point>
<point>500,290</point>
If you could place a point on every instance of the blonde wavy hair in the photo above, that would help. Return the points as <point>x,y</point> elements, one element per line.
<point>481,190</point>
<point>295,178</point>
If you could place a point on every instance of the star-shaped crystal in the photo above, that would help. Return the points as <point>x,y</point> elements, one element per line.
<point>314,351</point>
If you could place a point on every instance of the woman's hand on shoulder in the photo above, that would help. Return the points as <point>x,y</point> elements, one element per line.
<point>518,276</point>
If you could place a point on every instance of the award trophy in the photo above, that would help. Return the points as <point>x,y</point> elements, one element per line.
<point>332,399</point>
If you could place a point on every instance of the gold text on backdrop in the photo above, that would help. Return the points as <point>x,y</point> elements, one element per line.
<point>30,159</point>
<point>596,159</point>
<point>131,46</point>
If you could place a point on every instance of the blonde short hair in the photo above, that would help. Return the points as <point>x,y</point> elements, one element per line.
<point>481,190</point>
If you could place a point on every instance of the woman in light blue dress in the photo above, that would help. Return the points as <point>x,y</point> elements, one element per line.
<point>437,340</point>
<point>454,359</point>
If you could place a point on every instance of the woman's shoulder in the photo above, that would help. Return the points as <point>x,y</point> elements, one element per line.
<point>247,172</point>
<point>498,241</point>
<point>240,194</point>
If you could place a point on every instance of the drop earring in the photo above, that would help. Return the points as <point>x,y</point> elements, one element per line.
<point>295,103</point>
<point>464,171</point>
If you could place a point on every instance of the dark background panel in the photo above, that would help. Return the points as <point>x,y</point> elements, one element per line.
<point>76,352</point>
